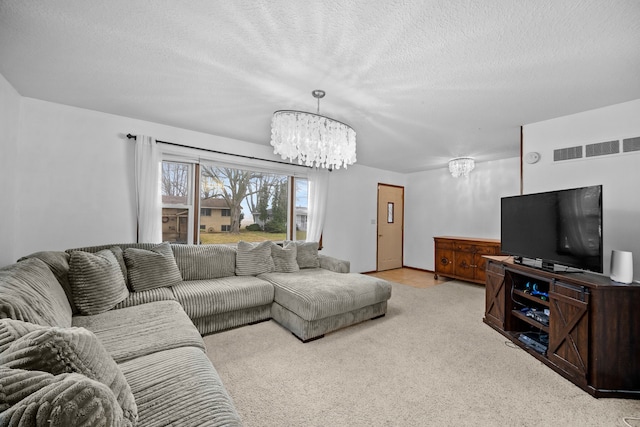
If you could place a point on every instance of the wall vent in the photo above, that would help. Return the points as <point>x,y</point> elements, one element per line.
<point>567,153</point>
<point>631,144</point>
<point>602,148</point>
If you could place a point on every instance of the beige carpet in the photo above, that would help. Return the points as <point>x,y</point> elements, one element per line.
<point>430,362</point>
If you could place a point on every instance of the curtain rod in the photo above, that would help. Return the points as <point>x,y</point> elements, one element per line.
<point>130,136</point>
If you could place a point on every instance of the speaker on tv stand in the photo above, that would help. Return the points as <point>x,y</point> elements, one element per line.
<point>621,266</point>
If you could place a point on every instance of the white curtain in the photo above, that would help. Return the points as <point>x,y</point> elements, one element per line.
<point>148,190</point>
<point>317,203</point>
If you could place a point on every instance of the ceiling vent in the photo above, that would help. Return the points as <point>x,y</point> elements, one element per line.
<point>631,144</point>
<point>602,148</point>
<point>567,153</point>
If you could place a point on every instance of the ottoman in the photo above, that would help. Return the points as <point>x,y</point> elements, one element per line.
<point>312,302</point>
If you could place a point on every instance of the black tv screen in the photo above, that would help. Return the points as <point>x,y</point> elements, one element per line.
<point>557,227</point>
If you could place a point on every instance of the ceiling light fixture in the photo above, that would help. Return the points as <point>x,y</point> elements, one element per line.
<point>313,139</point>
<point>461,166</point>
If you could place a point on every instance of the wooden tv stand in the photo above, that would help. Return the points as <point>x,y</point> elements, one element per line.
<point>593,326</point>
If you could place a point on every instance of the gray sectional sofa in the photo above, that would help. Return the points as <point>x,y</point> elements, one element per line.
<point>112,334</point>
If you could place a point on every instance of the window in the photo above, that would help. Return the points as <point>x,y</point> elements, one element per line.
<point>233,204</point>
<point>176,191</point>
<point>253,205</point>
<point>301,198</point>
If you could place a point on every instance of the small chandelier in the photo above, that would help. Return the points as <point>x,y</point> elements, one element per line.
<point>461,166</point>
<point>313,139</point>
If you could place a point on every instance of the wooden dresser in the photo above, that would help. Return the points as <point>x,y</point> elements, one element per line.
<point>462,257</point>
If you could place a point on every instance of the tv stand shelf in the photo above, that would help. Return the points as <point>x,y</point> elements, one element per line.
<point>521,294</point>
<point>593,323</point>
<point>530,321</point>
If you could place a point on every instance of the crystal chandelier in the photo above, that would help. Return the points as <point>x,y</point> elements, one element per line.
<point>461,166</point>
<point>313,139</point>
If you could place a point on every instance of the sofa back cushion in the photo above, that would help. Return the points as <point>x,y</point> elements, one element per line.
<point>152,268</point>
<point>201,262</point>
<point>30,292</point>
<point>96,281</point>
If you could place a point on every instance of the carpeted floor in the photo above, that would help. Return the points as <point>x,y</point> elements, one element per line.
<point>430,362</point>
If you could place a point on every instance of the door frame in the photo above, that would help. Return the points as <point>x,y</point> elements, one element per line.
<point>378,221</point>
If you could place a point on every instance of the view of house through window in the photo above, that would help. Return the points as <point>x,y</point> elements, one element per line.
<point>177,207</point>
<point>233,205</point>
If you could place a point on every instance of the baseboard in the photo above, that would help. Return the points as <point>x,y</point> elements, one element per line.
<point>404,266</point>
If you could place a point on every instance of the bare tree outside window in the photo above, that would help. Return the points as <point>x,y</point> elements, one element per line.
<point>257,203</point>
<point>234,204</point>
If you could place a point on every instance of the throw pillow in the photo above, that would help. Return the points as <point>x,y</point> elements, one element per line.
<point>11,330</point>
<point>254,258</point>
<point>284,258</point>
<point>97,283</point>
<point>30,292</point>
<point>71,350</point>
<point>34,398</point>
<point>308,255</point>
<point>152,268</point>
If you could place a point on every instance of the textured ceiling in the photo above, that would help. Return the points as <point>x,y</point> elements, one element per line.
<point>420,81</point>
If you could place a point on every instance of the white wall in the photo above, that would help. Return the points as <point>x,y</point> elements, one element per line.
<point>9,128</point>
<point>73,174</point>
<point>350,230</point>
<point>618,173</point>
<point>441,205</point>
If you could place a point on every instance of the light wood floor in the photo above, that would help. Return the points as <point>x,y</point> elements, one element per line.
<point>411,277</point>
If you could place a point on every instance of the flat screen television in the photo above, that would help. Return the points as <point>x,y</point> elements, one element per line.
<point>557,227</point>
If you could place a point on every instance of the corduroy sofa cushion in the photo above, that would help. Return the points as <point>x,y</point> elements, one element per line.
<point>71,350</point>
<point>201,298</point>
<point>316,294</point>
<point>151,268</point>
<point>97,283</point>
<point>254,258</point>
<point>145,297</point>
<point>132,332</point>
<point>30,292</point>
<point>179,387</point>
<point>197,262</point>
